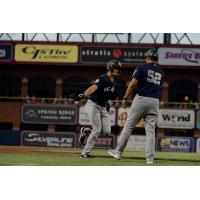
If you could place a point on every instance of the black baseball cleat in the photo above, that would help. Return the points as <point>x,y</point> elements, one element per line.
<point>86,155</point>
<point>84,133</point>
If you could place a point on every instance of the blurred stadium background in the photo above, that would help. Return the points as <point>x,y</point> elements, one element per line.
<point>41,73</point>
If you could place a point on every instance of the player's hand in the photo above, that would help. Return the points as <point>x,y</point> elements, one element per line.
<point>124,102</point>
<point>82,102</point>
<point>80,97</point>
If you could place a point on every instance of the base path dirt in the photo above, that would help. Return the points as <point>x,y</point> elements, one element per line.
<point>36,151</point>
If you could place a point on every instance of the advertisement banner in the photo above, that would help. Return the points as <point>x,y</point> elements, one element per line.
<point>103,54</point>
<point>176,119</point>
<point>198,120</point>
<point>46,139</point>
<point>84,120</point>
<point>46,53</point>
<point>122,115</point>
<point>104,142</point>
<point>179,56</point>
<point>175,144</point>
<point>49,114</point>
<point>198,145</point>
<point>136,143</point>
<point>6,51</point>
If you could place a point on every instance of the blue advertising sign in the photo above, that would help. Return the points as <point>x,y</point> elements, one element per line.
<point>175,144</point>
<point>46,139</point>
<point>6,52</point>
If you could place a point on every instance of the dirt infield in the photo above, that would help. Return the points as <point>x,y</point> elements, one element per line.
<point>36,150</point>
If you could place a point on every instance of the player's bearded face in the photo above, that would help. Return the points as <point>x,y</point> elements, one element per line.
<point>116,72</point>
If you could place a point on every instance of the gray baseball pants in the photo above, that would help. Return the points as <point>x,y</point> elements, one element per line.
<point>100,123</point>
<point>146,108</point>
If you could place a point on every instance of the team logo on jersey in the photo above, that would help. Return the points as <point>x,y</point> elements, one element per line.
<point>112,89</point>
<point>107,89</point>
<point>97,81</point>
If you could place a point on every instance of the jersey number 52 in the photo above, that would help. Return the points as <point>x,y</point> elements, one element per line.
<point>154,77</point>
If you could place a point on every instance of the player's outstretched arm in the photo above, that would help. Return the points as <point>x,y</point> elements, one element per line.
<point>90,90</point>
<point>129,90</point>
<point>87,92</point>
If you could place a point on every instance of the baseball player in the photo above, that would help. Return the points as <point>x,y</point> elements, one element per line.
<point>148,80</point>
<point>97,106</point>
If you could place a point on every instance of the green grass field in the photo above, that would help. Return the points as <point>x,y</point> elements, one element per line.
<point>71,158</point>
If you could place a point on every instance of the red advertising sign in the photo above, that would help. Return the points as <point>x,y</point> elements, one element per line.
<point>104,142</point>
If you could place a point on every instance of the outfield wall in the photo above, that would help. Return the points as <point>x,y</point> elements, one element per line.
<point>37,125</point>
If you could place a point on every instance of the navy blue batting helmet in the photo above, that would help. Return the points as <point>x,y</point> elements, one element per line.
<point>114,64</point>
<point>152,53</point>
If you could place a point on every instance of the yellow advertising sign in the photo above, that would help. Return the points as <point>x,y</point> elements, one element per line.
<point>46,53</point>
<point>122,117</point>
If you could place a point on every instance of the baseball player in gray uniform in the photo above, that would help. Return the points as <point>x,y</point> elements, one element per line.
<point>97,106</point>
<point>148,80</point>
